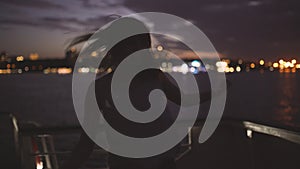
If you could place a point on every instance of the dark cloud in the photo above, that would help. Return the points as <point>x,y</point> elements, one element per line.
<point>258,28</point>
<point>58,23</point>
<point>61,20</point>
<point>99,4</point>
<point>8,22</point>
<point>46,23</point>
<point>75,24</point>
<point>238,27</point>
<point>41,4</point>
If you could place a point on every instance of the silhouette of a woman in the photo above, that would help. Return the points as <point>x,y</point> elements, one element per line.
<point>139,90</point>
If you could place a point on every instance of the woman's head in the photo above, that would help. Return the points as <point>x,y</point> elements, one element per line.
<point>127,46</point>
<point>124,47</point>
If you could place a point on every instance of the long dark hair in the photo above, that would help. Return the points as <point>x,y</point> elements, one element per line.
<point>123,48</point>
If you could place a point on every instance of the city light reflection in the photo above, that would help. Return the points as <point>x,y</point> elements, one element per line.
<point>20,64</point>
<point>20,58</point>
<point>261,62</point>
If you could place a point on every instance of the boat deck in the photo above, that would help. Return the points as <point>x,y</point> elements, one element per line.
<point>235,144</point>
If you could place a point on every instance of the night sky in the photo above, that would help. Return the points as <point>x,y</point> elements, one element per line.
<point>268,29</point>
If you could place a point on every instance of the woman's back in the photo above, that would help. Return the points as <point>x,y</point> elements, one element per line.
<point>139,91</point>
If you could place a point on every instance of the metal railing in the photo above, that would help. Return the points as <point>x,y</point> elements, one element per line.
<point>272,131</point>
<point>36,147</point>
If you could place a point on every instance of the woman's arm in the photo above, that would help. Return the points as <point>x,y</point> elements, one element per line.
<point>85,146</point>
<point>81,152</point>
<point>190,99</point>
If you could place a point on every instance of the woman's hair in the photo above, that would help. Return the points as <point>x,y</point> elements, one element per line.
<point>124,47</point>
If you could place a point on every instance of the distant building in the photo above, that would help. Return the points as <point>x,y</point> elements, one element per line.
<point>71,53</point>
<point>3,56</point>
<point>71,56</point>
<point>34,56</point>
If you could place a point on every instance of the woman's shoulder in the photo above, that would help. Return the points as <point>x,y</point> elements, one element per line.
<point>102,81</point>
